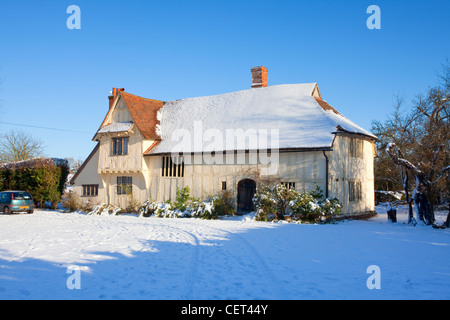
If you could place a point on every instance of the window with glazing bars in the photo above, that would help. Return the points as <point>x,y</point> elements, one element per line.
<point>289,185</point>
<point>356,148</point>
<point>124,185</point>
<point>354,191</point>
<point>172,167</point>
<point>90,190</point>
<point>119,146</point>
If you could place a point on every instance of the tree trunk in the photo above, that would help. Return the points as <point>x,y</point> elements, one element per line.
<point>447,222</point>
<point>407,198</point>
<point>424,188</point>
<point>421,201</point>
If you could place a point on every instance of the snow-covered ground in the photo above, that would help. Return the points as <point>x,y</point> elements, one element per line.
<point>130,257</point>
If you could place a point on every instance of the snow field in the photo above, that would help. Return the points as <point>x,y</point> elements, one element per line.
<point>130,257</point>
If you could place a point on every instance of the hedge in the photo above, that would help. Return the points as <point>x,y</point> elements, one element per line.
<point>43,178</point>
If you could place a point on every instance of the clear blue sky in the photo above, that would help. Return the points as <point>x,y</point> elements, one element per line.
<point>59,78</point>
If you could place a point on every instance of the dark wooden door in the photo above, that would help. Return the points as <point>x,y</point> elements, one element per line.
<point>246,191</point>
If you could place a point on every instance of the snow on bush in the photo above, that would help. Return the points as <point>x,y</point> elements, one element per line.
<point>275,202</point>
<point>183,207</point>
<point>187,207</point>
<point>278,201</point>
<point>195,209</point>
<point>105,210</point>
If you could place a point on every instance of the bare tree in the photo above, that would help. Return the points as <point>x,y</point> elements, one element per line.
<point>423,151</point>
<point>74,165</point>
<point>18,146</point>
<point>423,187</point>
<point>400,129</point>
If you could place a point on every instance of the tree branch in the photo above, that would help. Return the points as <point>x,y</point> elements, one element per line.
<point>443,171</point>
<point>400,161</point>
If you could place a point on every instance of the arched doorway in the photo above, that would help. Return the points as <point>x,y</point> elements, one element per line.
<point>246,191</point>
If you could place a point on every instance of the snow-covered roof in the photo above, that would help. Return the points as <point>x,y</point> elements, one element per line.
<point>117,127</point>
<point>291,112</point>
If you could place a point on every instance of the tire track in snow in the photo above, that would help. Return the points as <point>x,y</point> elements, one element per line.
<point>185,288</point>
<point>209,269</point>
<point>191,273</point>
<point>264,270</point>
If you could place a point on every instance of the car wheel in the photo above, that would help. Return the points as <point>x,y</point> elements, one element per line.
<point>30,211</point>
<point>6,210</point>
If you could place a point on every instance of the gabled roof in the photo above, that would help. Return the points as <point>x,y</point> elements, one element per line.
<point>143,112</point>
<point>294,114</point>
<point>296,111</point>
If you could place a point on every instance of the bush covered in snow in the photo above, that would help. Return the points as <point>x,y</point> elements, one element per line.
<point>105,210</point>
<point>195,209</point>
<point>265,203</point>
<point>223,204</point>
<point>276,202</point>
<point>279,201</point>
<point>186,207</point>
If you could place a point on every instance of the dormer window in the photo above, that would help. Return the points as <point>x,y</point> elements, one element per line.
<point>119,146</point>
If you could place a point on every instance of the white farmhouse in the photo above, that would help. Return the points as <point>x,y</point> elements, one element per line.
<point>232,141</point>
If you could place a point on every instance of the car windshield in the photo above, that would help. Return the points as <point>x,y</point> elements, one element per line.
<point>21,196</point>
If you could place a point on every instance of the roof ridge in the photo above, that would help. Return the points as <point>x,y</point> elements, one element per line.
<point>326,106</point>
<point>135,95</point>
<point>247,90</point>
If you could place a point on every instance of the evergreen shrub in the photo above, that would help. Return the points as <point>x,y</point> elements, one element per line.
<point>277,202</point>
<point>43,178</point>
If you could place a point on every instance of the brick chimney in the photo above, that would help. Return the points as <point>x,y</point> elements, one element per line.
<point>259,77</point>
<point>115,92</point>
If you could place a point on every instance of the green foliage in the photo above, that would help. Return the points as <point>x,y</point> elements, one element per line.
<point>223,204</point>
<point>265,203</point>
<point>148,208</point>
<point>42,178</point>
<point>279,201</point>
<point>200,209</point>
<point>305,207</point>
<point>185,206</point>
<point>183,197</point>
<point>132,203</point>
<point>283,195</point>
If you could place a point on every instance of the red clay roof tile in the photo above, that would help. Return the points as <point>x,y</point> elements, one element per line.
<point>143,112</point>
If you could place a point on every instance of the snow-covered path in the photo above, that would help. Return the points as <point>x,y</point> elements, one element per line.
<point>129,257</point>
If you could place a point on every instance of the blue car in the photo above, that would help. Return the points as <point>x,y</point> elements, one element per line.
<point>16,201</point>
